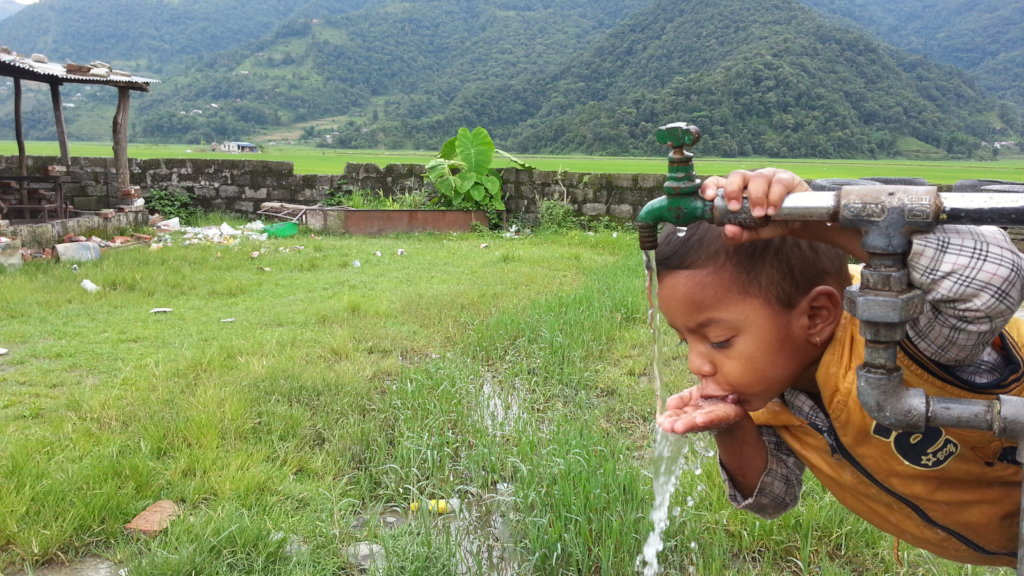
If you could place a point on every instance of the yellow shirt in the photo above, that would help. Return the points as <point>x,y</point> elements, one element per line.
<point>953,492</point>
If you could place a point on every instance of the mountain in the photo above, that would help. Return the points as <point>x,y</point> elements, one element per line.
<point>152,36</point>
<point>983,37</point>
<point>9,7</point>
<point>764,77</point>
<point>404,63</point>
<point>780,80</point>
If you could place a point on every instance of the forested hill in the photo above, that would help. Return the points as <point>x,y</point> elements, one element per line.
<point>773,77</point>
<point>779,80</point>
<point>984,37</point>
<point>153,36</point>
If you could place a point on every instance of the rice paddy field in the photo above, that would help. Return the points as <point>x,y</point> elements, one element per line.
<point>312,160</point>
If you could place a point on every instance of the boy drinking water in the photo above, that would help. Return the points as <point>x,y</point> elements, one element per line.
<point>776,356</point>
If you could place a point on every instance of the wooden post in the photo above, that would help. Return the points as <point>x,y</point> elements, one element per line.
<point>58,118</point>
<point>19,132</point>
<point>121,138</point>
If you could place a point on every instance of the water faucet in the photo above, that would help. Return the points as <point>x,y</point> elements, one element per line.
<point>681,203</point>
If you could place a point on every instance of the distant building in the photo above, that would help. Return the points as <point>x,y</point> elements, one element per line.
<point>236,147</point>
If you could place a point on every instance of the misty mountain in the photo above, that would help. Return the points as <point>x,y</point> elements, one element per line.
<point>9,7</point>
<point>780,80</point>
<point>982,37</point>
<point>153,36</point>
<point>772,77</point>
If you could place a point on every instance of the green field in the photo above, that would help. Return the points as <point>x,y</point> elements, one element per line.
<point>289,400</point>
<point>312,160</point>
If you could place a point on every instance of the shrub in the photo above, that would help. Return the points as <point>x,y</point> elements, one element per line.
<point>556,216</point>
<point>173,204</point>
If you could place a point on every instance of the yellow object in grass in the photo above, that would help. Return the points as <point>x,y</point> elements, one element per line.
<point>435,506</point>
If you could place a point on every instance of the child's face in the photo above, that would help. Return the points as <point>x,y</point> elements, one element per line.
<point>739,344</point>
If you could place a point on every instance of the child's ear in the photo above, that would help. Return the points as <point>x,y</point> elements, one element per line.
<point>821,309</point>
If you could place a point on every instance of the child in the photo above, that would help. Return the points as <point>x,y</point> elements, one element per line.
<point>775,354</point>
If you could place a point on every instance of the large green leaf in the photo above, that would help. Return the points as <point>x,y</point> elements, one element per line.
<point>440,173</point>
<point>475,148</point>
<point>448,151</point>
<point>518,163</point>
<point>466,180</point>
<point>478,193</point>
<point>493,185</point>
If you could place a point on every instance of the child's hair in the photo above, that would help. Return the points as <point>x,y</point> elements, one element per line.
<point>780,270</point>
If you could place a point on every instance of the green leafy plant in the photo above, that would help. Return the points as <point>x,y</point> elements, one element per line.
<point>556,216</point>
<point>377,200</point>
<point>463,172</point>
<point>173,204</point>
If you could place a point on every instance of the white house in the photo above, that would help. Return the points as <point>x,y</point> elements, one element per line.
<point>236,147</point>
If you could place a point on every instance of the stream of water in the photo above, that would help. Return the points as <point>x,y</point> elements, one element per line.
<point>670,450</point>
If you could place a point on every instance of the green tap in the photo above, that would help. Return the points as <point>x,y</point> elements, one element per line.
<point>681,204</point>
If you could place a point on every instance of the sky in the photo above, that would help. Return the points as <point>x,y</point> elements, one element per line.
<point>26,1</point>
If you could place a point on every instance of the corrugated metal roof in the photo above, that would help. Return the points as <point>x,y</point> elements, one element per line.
<point>39,70</point>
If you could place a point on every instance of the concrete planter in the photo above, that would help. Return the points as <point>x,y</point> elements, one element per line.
<point>380,222</point>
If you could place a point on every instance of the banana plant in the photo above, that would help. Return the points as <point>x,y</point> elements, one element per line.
<point>463,172</point>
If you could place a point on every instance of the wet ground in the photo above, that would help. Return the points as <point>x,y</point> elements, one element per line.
<point>89,566</point>
<point>477,522</point>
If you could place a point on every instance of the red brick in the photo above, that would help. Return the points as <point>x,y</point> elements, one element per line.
<point>153,519</point>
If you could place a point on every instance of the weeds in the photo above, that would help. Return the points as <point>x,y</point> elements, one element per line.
<point>173,204</point>
<point>556,216</point>
<point>378,200</point>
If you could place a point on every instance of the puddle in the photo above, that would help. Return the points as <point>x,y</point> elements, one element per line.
<point>484,536</point>
<point>477,525</point>
<point>500,408</point>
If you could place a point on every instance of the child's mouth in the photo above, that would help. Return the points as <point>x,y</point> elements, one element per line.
<point>727,399</point>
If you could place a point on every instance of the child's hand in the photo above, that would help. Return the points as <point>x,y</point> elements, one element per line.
<point>765,189</point>
<point>689,411</point>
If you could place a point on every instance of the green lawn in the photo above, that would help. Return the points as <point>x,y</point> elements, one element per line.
<point>290,393</point>
<point>312,160</point>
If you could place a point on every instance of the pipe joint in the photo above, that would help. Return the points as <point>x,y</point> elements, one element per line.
<point>889,402</point>
<point>884,307</point>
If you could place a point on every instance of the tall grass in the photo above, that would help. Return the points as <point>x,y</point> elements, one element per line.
<point>513,377</point>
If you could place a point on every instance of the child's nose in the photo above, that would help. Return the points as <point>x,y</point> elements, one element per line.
<point>698,364</point>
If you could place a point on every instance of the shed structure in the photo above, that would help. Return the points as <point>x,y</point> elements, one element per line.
<point>37,68</point>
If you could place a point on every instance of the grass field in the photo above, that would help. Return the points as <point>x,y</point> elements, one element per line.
<point>312,160</point>
<point>291,397</point>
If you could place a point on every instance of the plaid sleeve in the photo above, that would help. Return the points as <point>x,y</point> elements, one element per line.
<point>779,487</point>
<point>973,280</point>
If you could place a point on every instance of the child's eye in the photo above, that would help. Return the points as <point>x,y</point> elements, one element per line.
<point>721,344</point>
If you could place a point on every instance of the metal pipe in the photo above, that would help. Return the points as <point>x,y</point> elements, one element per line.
<point>979,208</point>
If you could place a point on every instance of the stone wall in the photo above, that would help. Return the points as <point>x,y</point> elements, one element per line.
<point>46,234</point>
<point>617,195</point>
<point>240,186</point>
